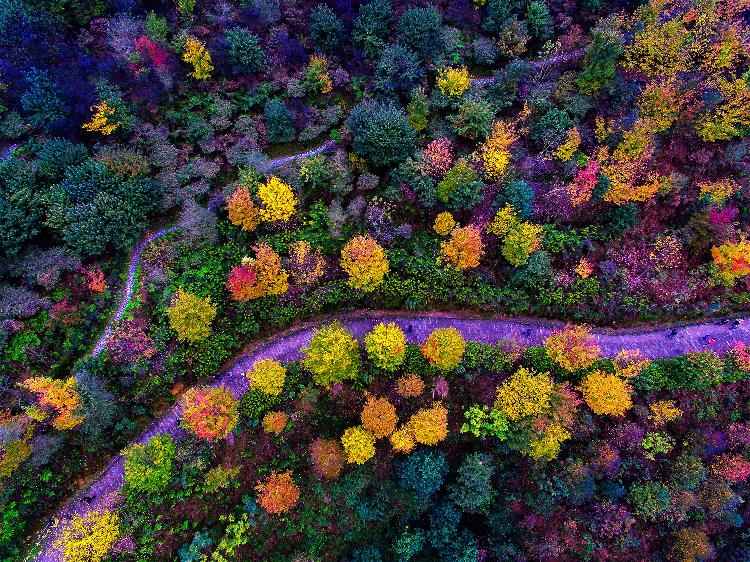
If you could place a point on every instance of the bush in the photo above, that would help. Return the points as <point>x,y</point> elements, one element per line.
<point>538,20</point>
<point>518,195</point>
<point>245,51</point>
<point>332,355</point>
<point>325,29</point>
<point>498,13</point>
<point>364,260</point>
<point>473,119</point>
<point>420,29</point>
<point>599,66</point>
<point>191,316</point>
<point>650,499</point>
<point>209,412</point>
<point>382,134</point>
<point>444,348</point>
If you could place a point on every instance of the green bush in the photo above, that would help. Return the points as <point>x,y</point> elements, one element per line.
<point>244,50</point>
<point>382,134</point>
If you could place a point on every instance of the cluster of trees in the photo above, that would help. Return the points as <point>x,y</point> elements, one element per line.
<point>451,450</point>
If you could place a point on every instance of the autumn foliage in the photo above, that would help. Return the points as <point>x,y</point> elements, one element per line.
<point>209,412</point>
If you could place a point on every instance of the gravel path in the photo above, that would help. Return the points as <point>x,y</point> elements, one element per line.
<point>542,64</point>
<point>276,162</point>
<point>8,151</point>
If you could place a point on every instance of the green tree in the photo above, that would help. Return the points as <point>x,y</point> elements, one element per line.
<point>278,120</point>
<point>382,134</point>
<point>600,64</point>
<point>326,29</point>
<point>244,50</point>
<point>420,29</point>
<point>370,27</point>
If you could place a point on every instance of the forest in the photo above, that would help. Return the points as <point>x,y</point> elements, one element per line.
<point>378,280</point>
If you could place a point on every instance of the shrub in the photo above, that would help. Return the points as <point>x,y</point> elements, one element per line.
<point>103,121</point>
<point>386,346</point>
<point>444,223</point>
<point>444,348</point>
<point>325,29</point>
<point>437,157</point>
<point>420,29</point>
<point>45,108</point>
<point>473,490</point>
<point>359,445</point>
<point>267,376</point>
<point>382,133</point>
<point>209,412</point>
<point>379,417</point>
<point>149,466</point>
<point>453,82</point>
<point>572,348</point>
<point>364,260</point>
<point>274,422</point>
<point>664,411</point>
<point>191,316</point>
<point>332,355</point>
<point>278,120</point>
<point>519,196</point>
<point>423,471</point>
<point>90,537</point>
<point>277,493</point>
<point>307,265</point>
<point>606,394</point>
<point>655,442</point>
<point>525,394</point>
<point>460,189</point>
<point>278,202</point>
<point>327,457</point>
<point>464,249</point>
<point>430,425</point>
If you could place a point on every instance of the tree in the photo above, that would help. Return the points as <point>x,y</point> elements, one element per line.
<point>325,28</point>
<point>538,20</point>
<point>572,347</point>
<point>370,28</point>
<point>277,200</point>
<point>444,348</point>
<point>195,53</point>
<point>606,394</point>
<point>379,417</point>
<point>20,212</point>
<point>46,110</point>
<point>518,195</point>
<point>332,355</point>
<point>464,248</point>
<point>473,490</point>
<point>267,376</point>
<point>61,396</point>
<point>149,466</point>
<point>278,120</point>
<point>307,265</point>
<point>498,13</point>
<point>245,51</point>
<point>732,260</point>
<point>423,471</point>
<point>473,119</point>
<point>210,412</point>
<point>495,153</point>
<point>386,346</point>
<point>398,70</point>
<point>460,188</point>
<point>420,29</point>
<point>277,493</point>
<point>359,445</point>
<point>191,316</point>
<point>242,210</point>
<point>327,457</point>
<point>364,260</point>
<point>453,82</point>
<point>258,277</point>
<point>599,66</point>
<point>382,134</point>
<point>525,394</point>
<point>89,537</point>
<point>430,425</point>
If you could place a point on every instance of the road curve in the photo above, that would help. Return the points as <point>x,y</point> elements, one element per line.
<point>104,492</point>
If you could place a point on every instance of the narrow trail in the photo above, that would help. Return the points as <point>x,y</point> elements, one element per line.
<point>542,64</point>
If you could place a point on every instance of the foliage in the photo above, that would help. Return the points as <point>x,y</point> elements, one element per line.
<point>430,425</point>
<point>572,347</point>
<point>274,422</point>
<point>61,396</point>
<point>464,248</point>
<point>482,421</point>
<point>325,28</point>
<point>606,394</point>
<point>473,489</point>
<point>327,457</point>
<point>242,210</point>
<point>149,466</point>
<point>423,471</point>
<point>364,260</point>
<point>332,355</point>
<point>89,538</point>
<point>277,493</point>
<point>420,30</point>
<point>444,348</point>
<point>277,200</point>
<point>191,316</point>
<point>244,50</point>
<point>209,412</point>
<point>267,376</point>
<point>444,223</point>
<point>379,417</point>
<point>386,346</point>
<point>370,28</point>
<point>732,261</point>
<point>195,53</point>
<point>453,82</point>
<point>359,444</point>
<point>382,133</point>
<point>494,152</point>
<point>258,277</point>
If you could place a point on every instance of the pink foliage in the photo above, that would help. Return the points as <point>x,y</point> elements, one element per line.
<point>438,157</point>
<point>583,184</point>
<point>129,342</point>
<point>731,467</point>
